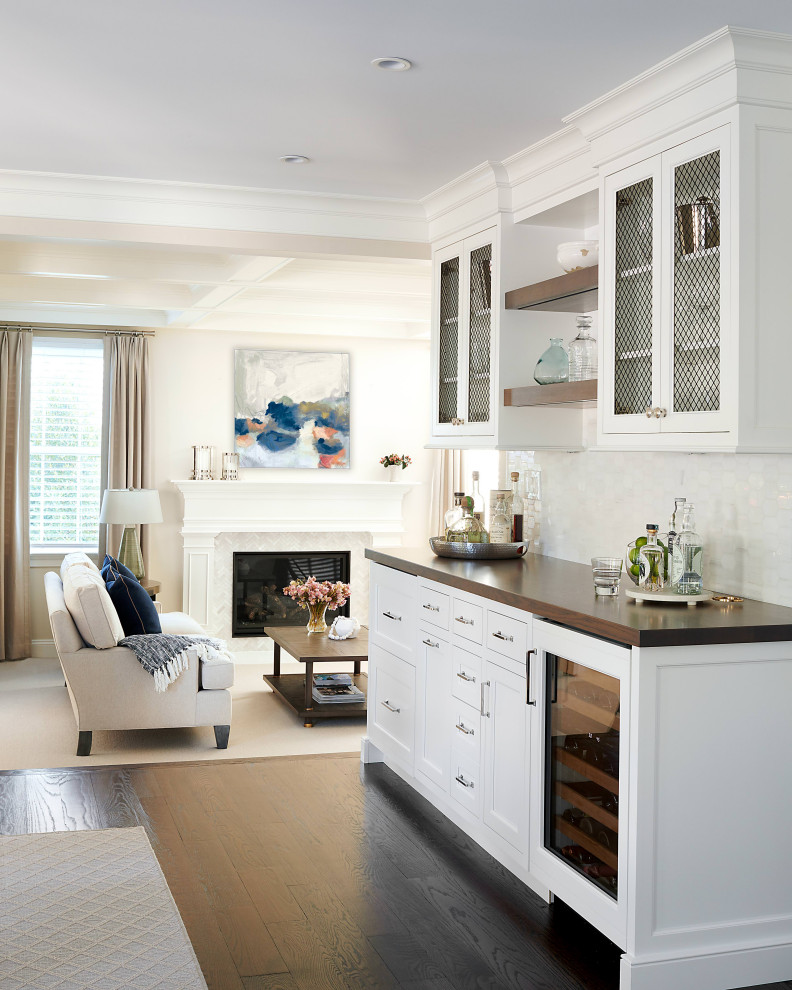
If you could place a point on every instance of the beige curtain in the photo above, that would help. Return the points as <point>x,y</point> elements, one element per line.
<point>129,449</point>
<point>15,351</point>
<point>448,476</point>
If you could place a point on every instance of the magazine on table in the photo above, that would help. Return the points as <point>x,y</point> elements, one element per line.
<point>335,688</point>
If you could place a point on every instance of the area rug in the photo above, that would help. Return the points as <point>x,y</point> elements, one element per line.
<point>37,727</point>
<point>90,910</point>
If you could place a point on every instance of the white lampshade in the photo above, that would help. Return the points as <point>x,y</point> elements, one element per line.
<point>128,506</point>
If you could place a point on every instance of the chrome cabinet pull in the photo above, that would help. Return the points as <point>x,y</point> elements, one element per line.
<point>506,639</point>
<point>464,677</point>
<point>431,608</point>
<point>464,728</point>
<point>483,685</point>
<point>528,678</point>
<point>389,706</point>
<point>464,621</point>
<point>390,615</point>
<point>428,642</point>
<point>461,780</point>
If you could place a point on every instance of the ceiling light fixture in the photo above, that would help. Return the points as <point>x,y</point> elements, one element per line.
<point>294,159</point>
<point>392,63</point>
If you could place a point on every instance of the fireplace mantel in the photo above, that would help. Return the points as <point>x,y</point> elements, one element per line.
<point>316,506</point>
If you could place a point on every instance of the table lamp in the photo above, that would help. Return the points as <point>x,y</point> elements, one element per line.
<point>130,507</point>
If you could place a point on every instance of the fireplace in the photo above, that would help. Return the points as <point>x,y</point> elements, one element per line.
<point>259,579</point>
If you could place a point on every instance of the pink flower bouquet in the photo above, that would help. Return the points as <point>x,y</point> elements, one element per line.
<point>396,460</point>
<point>315,592</point>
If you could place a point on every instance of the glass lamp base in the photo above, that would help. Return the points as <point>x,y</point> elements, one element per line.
<point>129,553</point>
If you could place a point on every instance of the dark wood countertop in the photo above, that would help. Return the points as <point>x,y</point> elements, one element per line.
<point>564,592</point>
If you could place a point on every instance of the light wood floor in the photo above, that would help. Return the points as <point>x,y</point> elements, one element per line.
<point>296,874</point>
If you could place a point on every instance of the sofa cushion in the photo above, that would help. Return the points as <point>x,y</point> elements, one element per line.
<point>215,676</point>
<point>111,564</point>
<point>77,559</point>
<point>91,607</point>
<point>180,624</point>
<point>133,604</point>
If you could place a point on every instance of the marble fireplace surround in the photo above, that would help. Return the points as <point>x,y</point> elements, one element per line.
<point>221,517</point>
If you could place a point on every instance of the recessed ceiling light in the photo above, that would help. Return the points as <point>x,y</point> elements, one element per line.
<point>392,63</point>
<point>294,159</point>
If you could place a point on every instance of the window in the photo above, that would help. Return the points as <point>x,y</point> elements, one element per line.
<point>66,430</point>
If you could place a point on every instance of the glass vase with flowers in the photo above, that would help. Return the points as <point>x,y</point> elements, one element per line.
<point>318,597</point>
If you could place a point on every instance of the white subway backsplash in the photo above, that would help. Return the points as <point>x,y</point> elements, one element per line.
<point>593,503</point>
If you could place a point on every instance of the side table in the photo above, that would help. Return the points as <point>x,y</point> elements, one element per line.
<point>151,586</point>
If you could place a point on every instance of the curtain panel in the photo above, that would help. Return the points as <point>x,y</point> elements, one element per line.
<point>15,357</point>
<point>448,476</point>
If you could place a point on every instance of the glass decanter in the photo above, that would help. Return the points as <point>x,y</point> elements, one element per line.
<point>651,562</point>
<point>467,529</point>
<point>691,550</point>
<point>583,353</point>
<point>553,366</point>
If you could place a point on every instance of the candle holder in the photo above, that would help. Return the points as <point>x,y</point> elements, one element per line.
<point>203,462</point>
<point>230,467</point>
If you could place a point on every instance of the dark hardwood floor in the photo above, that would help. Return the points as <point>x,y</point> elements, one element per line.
<point>308,874</point>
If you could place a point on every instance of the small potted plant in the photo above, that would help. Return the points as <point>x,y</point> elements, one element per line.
<point>394,464</point>
<point>318,597</point>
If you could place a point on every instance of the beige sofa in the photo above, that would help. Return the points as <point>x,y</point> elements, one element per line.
<point>110,690</point>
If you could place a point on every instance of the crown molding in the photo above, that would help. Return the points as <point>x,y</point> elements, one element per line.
<point>475,197</point>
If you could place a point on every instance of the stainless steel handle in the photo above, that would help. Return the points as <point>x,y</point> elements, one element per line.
<point>390,615</point>
<point>428,642</point>
<point>528,678</point>
<point>483,685</point>
<point>461,780</point>
<point>389,706</point>
<point>431,608</point>
<point>464,621</point>
<point>506,639</point>
<point>464,728</point>
<point>464,677</point>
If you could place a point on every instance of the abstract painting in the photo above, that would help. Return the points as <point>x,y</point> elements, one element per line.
<point>291,409</point>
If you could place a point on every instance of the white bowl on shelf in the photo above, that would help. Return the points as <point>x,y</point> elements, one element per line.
<point>573,255</point>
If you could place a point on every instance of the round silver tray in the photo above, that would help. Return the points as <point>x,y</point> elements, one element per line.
<point>477,551</point>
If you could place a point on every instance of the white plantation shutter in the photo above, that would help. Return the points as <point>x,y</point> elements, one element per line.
<point>66,409</point>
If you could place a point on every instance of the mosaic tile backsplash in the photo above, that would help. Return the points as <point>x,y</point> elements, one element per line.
<point>594,502</point>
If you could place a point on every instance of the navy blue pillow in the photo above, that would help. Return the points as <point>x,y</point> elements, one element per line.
<point>111,564</point>
<point>133,604</point>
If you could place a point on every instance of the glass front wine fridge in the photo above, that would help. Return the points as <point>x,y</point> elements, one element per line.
<point>581,804</point>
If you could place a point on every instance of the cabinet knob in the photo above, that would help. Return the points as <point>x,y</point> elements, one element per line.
<point>456,421</point>
<point>663,413</point>
<point>657,412</point>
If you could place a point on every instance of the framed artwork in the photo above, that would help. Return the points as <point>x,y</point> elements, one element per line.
<point>291,409</point>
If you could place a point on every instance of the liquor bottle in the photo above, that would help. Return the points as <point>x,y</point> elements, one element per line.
<point>467,529</point>
<point>500,529</point>
<point>651,562</point>
<point>455,512</point>
<point>516,509</point>
<point>674,557</point>
<point>583,353</point>
<point>691,550</point>
<point>478,499</point>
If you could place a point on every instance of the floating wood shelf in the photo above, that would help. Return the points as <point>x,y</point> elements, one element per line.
<point>591,845</point>
<point>575,292</point>
<point>569,393</point>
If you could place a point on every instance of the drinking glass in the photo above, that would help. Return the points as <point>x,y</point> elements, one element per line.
<point>607,574</point>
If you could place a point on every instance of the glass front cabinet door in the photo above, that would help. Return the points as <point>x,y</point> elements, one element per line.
<point>666,229</point>
<point>580,781</point>
<point>463,338</point>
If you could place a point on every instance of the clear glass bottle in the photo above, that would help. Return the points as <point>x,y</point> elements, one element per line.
<point>467,529</point>
<point>478,499</point>
<point>583,353</point>
<point>455,512</point>
<point>651,562</point>
<point>553,366</point>
<point>500,526</point>
<point>691,550</point>
<point>674,556</point>
<point>516,509</point>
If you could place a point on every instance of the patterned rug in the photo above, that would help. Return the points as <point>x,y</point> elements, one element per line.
<point>90,910</point>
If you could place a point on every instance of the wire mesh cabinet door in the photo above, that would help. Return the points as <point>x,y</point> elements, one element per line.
<point>695,283</point>
<point>447,315</point>
<point>630,287</point>
<point>479,334</point>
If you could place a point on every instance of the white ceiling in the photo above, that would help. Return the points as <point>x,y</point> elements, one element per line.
<point>213,91</point>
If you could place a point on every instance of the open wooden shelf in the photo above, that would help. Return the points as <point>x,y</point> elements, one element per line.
<point>565,393</point>
<point>582,803</point>
<point>588,842</point>
<point>587,770</point>
<point>575,292</point>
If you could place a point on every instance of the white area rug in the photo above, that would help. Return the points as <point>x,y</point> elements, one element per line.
<point>37,727</point>
<point>90,910</point>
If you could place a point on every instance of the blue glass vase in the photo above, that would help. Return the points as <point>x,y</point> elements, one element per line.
<point>553,366</point>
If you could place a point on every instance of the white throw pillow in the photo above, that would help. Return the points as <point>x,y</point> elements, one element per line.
<point>77,559</point>
<point>91,607</point>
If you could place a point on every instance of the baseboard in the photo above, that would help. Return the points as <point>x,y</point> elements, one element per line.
<point>44,649</point>
<point>712,971</point>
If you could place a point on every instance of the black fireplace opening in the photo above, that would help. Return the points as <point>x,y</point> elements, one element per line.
<point>259,580</point>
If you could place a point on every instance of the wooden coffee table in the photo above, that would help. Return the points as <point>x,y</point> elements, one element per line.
<point>311,648</point>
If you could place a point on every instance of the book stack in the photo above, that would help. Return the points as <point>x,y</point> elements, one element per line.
<point>335,688</point>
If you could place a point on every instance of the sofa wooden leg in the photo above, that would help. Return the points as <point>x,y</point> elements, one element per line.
<point>84,741</point>
<point>221,736</point>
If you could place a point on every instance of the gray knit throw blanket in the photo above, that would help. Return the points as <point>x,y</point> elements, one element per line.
<point>165,656</point>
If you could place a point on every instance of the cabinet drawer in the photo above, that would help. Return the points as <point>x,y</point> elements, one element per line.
<point>466,783</point>
<point>467,620</point>
<point>434,607</point>
<point>392,618</point>
<point>391,710</point>
<point>466,731</point>
<point>507,636</point>
<point>466,677</point>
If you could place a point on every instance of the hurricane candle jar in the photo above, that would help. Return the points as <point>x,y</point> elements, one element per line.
<point>230,467</point>
<point>203,462</point>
